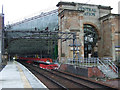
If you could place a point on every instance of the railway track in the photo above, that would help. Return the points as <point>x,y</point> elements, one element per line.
<point>58,79</point>
<point>50,82</point>
<point>78,79</point>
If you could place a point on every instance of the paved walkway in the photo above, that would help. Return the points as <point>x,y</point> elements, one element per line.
<point>15,75</point>
<point>114,83</point>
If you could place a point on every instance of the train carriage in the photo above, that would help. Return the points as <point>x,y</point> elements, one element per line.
<point>45,63</point>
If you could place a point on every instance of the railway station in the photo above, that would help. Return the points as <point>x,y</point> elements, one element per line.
<point>77,43</point>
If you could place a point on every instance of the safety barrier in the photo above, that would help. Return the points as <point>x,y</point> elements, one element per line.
<point>90,62</point>
<point>83,62</point>
<point>108,61</point>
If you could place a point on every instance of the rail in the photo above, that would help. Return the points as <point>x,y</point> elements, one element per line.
<point>99,62</point>
<point>65,80</point>
<point>32,68</point>
<point>111,64</point>
<point>83,62</point>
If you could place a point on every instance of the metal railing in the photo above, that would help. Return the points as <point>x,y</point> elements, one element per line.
<point>100,62</point>
<point>108,61</point>
<point>90,62</point>
<point>87,62</point>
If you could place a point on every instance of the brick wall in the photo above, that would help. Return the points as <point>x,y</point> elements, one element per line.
<point>94,71</point>
<point>86,71</point>
<point>72,19</point>
<point>110,36</point>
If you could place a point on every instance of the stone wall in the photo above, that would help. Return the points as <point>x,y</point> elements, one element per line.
<point>73,16</point>
<point>82,71</point>
<point>110,46</point>
<point>70,21</point>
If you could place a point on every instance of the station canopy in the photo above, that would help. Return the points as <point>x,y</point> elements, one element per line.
<point>29,43</point>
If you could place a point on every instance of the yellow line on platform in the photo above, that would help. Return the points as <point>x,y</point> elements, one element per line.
<point>24,79</point>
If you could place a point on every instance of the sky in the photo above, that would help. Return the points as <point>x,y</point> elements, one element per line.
<point>17,10</point>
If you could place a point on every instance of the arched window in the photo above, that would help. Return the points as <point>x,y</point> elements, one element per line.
<point>90,40</point>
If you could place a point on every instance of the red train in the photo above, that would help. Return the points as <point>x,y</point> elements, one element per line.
<point>45,63</point>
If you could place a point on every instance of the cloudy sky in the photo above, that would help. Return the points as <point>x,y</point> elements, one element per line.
<point>16,10</point>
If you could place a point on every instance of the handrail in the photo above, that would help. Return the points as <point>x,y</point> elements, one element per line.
<point>111,66</point>
<point>101,63</point>
<point>83,62</point>
<point>109,62</point>
<point>114,67</point>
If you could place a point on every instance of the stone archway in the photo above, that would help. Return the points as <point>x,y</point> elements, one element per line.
<point>90,41</point>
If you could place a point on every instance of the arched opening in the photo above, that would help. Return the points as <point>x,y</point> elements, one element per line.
<point>90,41</point>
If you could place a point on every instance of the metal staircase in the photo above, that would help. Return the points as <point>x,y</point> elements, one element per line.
<point>109,69</point>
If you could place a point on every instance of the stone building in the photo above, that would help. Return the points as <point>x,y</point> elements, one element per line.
<point>96,28</point>
<point>110,45</point>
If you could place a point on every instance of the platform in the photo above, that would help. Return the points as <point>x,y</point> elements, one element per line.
<point>15,75</point>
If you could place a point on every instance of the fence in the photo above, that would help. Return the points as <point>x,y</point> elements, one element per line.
<point>83,62</point>
<point>90,62</point>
